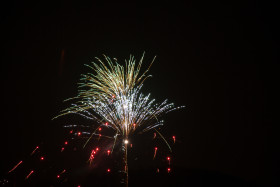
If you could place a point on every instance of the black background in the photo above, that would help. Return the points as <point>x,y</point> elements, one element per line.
<point>218,59</point>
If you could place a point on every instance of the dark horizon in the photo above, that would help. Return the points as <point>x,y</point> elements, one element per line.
<point>219,60</point>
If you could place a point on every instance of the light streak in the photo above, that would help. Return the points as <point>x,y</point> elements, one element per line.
<point>93,152</point>
<point>29,174</point>
<point>20,162</point>
<point>155,135</point>
<point>63,171</point>
<point>168,159</point>
<point>59,175</point>
<point>174,139</point>
<point>155,153</point>
<point>37,147</point>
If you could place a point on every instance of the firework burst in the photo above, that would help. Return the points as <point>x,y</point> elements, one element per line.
<point>111,96</point>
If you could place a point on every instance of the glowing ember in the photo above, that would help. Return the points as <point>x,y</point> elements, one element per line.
<point>126,141</point>
<point>168,170</point>
<point>174,138</point>
<point>155,153</point>
<point>168,158</point>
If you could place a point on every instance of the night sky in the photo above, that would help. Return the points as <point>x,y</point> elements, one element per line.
<point>219,60</point>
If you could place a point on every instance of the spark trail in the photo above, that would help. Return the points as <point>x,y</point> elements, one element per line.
<point>15,166</point>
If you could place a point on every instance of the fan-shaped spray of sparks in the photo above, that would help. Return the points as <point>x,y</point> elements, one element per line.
<point>112,98</point>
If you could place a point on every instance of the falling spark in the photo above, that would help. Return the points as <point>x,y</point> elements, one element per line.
<point>168,159</point>
<point>59,175</point>
<point>63,171</point>
<point>174,139</point>
<point>155,135</point>
<point>15,167</point>
<point>29,174</point>
<point>66,143</point>
<point>79,133</point>
<point>42,158</point>
<point>168,170</point>
<point>37,147</point>
<point>108,152</point>
<point>155,153</point>
<point>109,170</point>
<point>62,149</point>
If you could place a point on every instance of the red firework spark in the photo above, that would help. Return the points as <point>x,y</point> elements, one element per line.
<point>15,167</point>
<point>29,174</point>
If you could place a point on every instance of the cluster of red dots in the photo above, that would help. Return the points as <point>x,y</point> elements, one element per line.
<point>94,151</point>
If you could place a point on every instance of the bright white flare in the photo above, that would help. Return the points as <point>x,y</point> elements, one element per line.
<point>125,141</point>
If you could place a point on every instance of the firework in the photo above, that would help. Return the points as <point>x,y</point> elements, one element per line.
<point>111,96</point>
